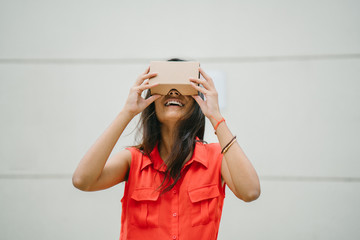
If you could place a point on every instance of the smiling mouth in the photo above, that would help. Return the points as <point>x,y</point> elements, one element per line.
<point>173,103</point>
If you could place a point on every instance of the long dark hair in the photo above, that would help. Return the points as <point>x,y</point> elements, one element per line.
<point>189,128</point>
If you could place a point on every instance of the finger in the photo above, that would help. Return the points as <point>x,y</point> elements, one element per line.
<point>201,81</point>
<point>146,81</point>
<point>139,80</point>
<point>147,86</point>
<point>206,76</point>
<point>200,101</point>
<point>147,70</point>
<point>149,75</point>
<point>152,99</point>
<point>142,77</point>
<point>198,88</point>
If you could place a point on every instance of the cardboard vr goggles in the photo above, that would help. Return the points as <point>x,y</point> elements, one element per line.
<point>174,75</point>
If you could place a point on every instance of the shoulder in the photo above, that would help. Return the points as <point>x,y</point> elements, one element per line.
<point>124,155</point>
<point>209,152</point>
<point>136,156</point>
<point>133,150</point>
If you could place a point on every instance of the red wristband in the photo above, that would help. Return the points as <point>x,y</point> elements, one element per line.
<point>218,122</point>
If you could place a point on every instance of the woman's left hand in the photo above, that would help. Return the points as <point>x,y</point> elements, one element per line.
<point>209,106</point>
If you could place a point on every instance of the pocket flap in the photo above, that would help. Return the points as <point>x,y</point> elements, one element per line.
<point>203,193</point>
<point>145,194</point>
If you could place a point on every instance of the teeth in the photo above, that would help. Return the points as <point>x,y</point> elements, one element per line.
<point>173,102</point>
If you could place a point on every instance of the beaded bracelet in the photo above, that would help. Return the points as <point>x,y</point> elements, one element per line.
<point>226,148</point>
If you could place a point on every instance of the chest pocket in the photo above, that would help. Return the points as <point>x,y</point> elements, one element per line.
<point>204,204</point>
<point>145,206</point>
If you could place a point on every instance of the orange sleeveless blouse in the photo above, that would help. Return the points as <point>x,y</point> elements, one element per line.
<point>190,210</point>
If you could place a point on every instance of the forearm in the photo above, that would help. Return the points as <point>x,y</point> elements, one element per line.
<point>243,175</point>
<point>93,162</point>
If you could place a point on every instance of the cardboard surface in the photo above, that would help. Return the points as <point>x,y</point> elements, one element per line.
<point>174,75</point>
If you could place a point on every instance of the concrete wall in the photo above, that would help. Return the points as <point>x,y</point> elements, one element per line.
<point>292,91</point>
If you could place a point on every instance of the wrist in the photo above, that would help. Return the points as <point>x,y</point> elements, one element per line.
<point>127,114</point>
<point>215,118</point>
<point>216,121</point>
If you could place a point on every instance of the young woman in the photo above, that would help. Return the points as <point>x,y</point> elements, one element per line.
<point>175,182</point>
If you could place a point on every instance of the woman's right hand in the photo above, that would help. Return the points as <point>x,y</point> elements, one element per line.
<point>135,103</point>
<point>95,171</point>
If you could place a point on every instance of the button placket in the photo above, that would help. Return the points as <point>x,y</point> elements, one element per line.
<point>175,213</point>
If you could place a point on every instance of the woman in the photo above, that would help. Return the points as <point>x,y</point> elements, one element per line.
<point>175,182</point>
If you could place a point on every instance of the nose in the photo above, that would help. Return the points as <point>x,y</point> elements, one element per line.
<point>174,92</point>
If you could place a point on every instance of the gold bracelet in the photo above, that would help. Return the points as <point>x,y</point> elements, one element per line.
<point>226,148</point>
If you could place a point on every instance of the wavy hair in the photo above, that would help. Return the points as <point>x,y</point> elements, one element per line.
<point>189,128</point>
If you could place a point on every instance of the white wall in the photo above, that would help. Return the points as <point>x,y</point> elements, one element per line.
<point>292,81</point>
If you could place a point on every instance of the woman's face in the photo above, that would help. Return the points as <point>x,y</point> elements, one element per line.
<point>173,106</point>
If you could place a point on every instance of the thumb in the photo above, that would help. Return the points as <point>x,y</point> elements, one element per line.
<point>152,99</point>
<point>201,102</point>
